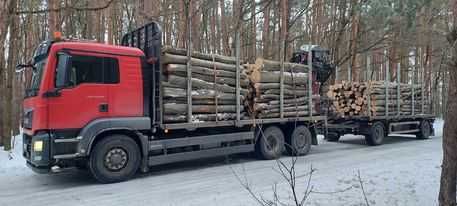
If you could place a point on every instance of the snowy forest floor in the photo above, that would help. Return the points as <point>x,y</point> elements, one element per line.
<point>403,171</point>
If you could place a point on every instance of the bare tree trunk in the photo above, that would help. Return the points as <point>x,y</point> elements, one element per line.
<point>447,195</point>
<point>225,34</point>
<point>253,41</point>
<point>53,19</point>
<point>12,56</point>
<point>266,31</point>
<point>448,182</point>
<point>182,24</point>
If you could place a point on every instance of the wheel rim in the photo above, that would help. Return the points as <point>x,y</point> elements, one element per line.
<point>116,159</point>
<point>272,143</point>
<point>300,140</point>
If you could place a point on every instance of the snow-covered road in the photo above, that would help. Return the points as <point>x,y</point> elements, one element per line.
<point>403,171</point>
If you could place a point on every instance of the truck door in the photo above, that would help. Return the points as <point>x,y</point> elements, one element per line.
<point>81,89</point>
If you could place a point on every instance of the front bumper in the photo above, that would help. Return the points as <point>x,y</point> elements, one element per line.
<point>56,151</point>
<point>37,159</point>
<point>38,169</point>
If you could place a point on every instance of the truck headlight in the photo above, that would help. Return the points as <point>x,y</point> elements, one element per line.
<point>38,146</point>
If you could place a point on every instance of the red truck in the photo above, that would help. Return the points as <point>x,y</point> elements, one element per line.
<point>99,106</point>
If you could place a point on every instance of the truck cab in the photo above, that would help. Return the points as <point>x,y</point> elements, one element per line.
<point>74,84</point>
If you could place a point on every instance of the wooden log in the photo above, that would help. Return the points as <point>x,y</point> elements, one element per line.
<point>201,117</point>
<point>286,109</point>
<point>178,59</point>
<point>266,86</point>
<point>198,94</point>
<point>286,114</point>
<point>268,65</point>
<point>172,109</point>
<point>171,68</point>
<point>200,84</point>
<point>198,55</point>
<point>267,106</point>
<point>290,92</point>
<point>202,101</point>
<point>274,77</point>
<point>219,80</point>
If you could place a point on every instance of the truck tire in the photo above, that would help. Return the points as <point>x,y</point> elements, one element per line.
<point>376,134</point>
<point>425,130</point>
<point>299,142</point>
<point>115,158</point>
<point>333,137</point>
<point>270,143</point>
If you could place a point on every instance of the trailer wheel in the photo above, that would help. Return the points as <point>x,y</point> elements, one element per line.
<point>376,134</point>
<point>299,142</point>
<point>115,158</point>
<point>270,143</point>
<point>425,130</point>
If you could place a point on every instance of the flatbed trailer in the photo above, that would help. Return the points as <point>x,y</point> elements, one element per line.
<point>173,142</point>
<point>376,127</point>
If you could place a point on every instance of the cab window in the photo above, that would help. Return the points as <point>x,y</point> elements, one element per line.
<point>90,69</point>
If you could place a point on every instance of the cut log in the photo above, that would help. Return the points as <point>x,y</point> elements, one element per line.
<point>209,57</point>
<point>200,84</point>
<point>201,117</point>
<point>178,59</point>
<point>198,94</point>
<point>171,109</point>
<point>268,65</point>
<point>219,80</point>
<point>172,68</point>
<point>274,77</point>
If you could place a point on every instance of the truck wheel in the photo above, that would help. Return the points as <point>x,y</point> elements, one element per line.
<point>115,158</point>
<point>270,143</point>
<point>425,130</point>
<point>333,137</point>
<point>376,135</point>
<point>299,142</point>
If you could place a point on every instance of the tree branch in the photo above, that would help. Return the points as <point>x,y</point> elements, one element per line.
<point>66,8</point>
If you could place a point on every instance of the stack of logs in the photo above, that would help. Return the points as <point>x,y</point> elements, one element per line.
<point>265,88</point>
<point>369,99</point>
<point>213,86</point>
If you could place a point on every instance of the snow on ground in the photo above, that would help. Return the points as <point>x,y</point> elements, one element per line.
<point>403,171</point>
<point>12,162</point>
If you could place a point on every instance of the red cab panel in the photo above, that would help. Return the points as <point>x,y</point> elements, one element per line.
<point>118,92</point>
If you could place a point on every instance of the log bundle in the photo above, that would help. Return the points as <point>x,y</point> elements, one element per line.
<point>213,92</point>
<point>369,99</point>
<point>265,89</point>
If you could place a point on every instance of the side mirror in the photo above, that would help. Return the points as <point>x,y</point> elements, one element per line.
<point>63,70</point>
<point>21,67</point>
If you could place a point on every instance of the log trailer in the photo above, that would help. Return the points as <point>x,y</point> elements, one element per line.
<point>378,109</point>
<point>100,107</point>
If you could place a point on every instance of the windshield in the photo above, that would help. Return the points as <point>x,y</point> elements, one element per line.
<point>35,81</point>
